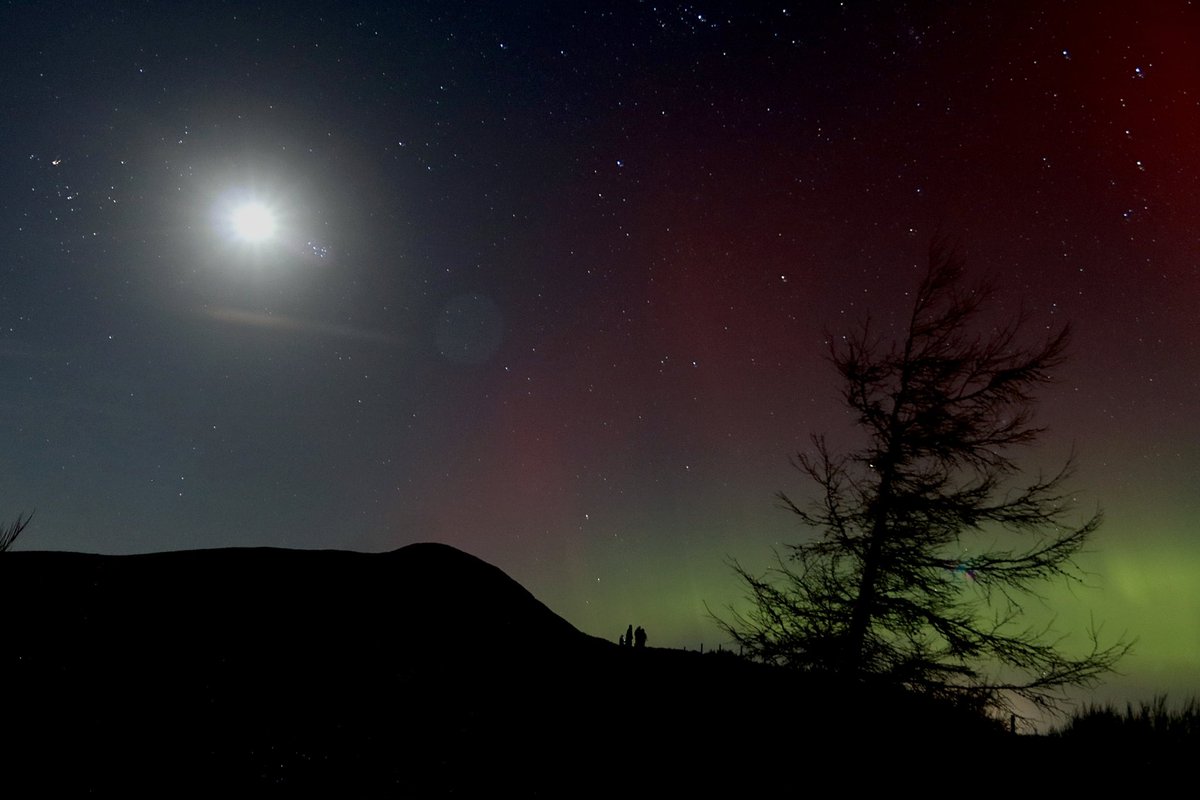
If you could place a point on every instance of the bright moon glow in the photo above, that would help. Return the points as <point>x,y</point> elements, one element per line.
<point>253,222</point>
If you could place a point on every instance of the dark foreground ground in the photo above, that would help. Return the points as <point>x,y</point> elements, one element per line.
<point>426,671</point>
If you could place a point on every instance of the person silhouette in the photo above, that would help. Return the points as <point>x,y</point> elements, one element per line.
<point>639,637</point>
<point>629,636</point>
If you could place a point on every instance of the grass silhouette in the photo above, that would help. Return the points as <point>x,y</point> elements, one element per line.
<point>1154,722</point>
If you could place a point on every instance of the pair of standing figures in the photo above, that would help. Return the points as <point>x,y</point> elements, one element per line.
<point>633,638</point>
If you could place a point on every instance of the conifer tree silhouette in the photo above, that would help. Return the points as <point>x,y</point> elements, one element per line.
<point>928,539</point>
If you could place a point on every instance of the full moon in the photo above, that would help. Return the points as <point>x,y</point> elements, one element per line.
<point>253,222</point>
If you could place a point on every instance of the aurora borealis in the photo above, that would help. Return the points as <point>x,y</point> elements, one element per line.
<point>551,282</point>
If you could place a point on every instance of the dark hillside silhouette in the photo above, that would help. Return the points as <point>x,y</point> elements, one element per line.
<point>265,665</point>
<point>287,598</point>
<point>423,670</point>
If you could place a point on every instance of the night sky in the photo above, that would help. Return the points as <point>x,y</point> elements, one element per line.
<point>551,282</point>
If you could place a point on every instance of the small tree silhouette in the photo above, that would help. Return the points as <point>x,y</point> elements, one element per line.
<point>9,534</point>
<point>926,547</point>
